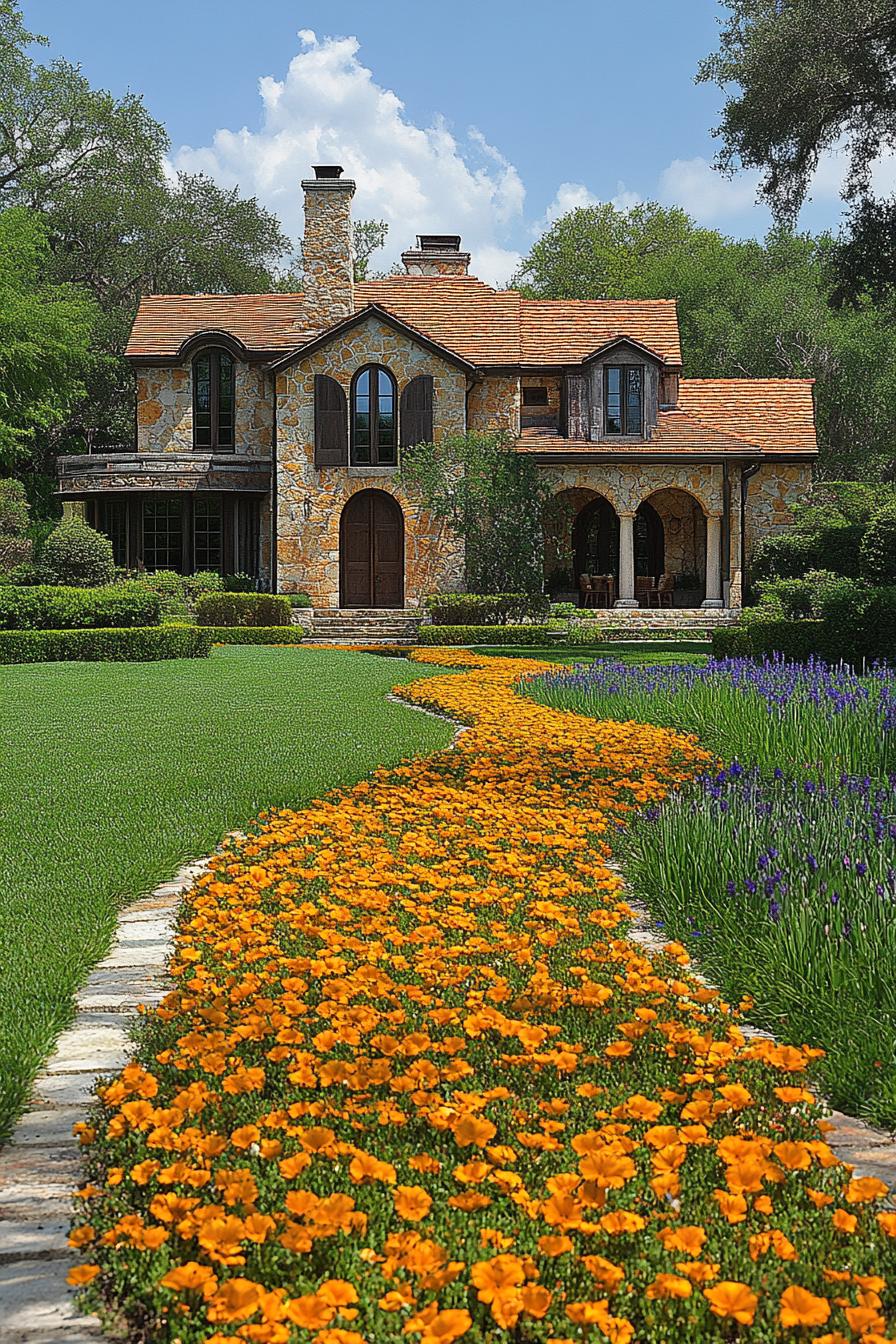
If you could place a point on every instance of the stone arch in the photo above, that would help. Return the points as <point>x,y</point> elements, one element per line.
<point>581,529</point>
<point>683,515</point>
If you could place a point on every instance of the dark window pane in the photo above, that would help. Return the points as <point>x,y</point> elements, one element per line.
<point>112,519</point>
<point>163,534</point>
<point>633,423</point>
<point>535,396</point>
<point>225,400</point>
<point>207,532</point>
<point>614,400</point>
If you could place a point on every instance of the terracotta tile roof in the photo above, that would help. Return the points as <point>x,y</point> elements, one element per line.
<point>263,322</point>
<point>714,415</point>
<point>563,331</point>
<point>480,323</point>
<point>775,414</point>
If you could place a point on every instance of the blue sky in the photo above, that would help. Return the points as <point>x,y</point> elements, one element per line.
<point>486,118</point>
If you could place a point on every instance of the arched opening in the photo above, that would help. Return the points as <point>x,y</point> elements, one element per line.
<point>371,551</point>
<point>682,522</point>
<point>650,543</point>
<point>595,540</point>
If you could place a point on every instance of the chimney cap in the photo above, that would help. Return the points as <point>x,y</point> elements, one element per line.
<point>327,170</point>
<point>438,242</point>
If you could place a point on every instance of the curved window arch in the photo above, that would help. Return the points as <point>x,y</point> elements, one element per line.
<point>213,399</point>
<point>374,418</point>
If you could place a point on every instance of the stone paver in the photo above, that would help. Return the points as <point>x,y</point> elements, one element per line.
<point>41,1167</point>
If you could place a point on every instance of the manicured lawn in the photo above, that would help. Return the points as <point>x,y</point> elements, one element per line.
<point>113,774</point>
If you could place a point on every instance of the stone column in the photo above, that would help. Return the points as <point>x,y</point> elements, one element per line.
<point>626,560</point>
<point>713,561</point>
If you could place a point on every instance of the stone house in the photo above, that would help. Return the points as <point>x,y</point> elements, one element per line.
<point>269,429</point>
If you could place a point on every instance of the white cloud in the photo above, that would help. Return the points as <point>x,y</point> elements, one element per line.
<point>329,109</point>
<point>703,192</point>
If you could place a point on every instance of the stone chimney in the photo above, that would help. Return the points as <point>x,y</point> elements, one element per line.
<point>327,246</point>
<point>436,254</point>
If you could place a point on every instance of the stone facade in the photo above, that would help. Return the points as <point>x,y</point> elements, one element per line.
<point>495,403</point>
<point>327,259</point>
<point>165,410</point>
<point>310,500</point>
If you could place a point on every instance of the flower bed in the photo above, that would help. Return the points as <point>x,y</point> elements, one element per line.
<point>415,1083</point>
<point>767,712</point>
<point>788,888</point>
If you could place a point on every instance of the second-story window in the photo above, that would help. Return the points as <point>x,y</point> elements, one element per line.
<point>374,436</point>
<point>624,399</point>
<point>213,400</point>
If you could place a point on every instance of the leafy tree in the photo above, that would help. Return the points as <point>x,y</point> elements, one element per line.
<point>492,497</point>
<point>746,309</point>
<point>116,223</point>
<point>45,336</point>
<point>809,76</point>
<point>368,236</point>
<point>15,546</point>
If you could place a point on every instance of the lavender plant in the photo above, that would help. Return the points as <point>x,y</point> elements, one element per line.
<point>810,715</point>
<point>787,889</point>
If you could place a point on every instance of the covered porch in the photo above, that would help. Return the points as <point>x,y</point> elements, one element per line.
<point>637,549</point>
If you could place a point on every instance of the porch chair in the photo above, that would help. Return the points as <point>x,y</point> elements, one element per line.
<point>662,594</point>
<point>587,595</point>
<point>643,587</point>
<point>600,589</point>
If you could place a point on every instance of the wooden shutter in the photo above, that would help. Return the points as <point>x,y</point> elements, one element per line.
<point>330,423</point>
<point>575,407</point>
<point>416,411</point>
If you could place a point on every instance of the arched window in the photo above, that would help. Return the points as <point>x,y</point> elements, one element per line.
<point>374,436</point>
<point>213,400</point>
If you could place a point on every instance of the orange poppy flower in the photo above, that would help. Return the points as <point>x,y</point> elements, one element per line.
<point>800,1307</point>
<point>411,1202</point>
<point>80,1275</point>
<point>668,1286</point>
<point>732,1301</point>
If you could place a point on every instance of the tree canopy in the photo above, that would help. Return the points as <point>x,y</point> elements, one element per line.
<point>118,222</point>
<point>747,309</point>
<point>46,331</point>
<point>802,78</point>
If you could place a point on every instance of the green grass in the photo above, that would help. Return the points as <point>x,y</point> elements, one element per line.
<point>116,773</point>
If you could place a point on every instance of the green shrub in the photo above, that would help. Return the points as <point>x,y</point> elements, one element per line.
<point>46,607</point>
<point>15,544</point>
<point>230,609</point>
<point>239,583</point>
<point>878,550</point>
<point>487,609</point>
<point>486,634</point>
<point>255,634</point>
<point>731,641</point>
<point>300,601</point>
<point>798,599</point>
<point>136,645</point>
<point>77,554</point>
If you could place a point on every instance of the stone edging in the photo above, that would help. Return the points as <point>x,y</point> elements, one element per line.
<point>41,1166</point>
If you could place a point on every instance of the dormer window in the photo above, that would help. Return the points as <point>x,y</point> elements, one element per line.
<point>624,399</point>
<point>374,436</point>
<point>213,400</point>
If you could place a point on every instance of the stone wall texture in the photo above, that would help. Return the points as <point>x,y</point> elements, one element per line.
<point>327,262</point>
<point>310,500</point>
<point>495,403</point>
<point>165,410</point>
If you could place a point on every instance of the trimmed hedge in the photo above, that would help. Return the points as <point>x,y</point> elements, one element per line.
<point>243,609</point>
<point>52,607</point>
<point>487,634</point>
<point>855,629</point>
<point>255,634</point>
<point>78,554</point>
<point>487,608</point>
<point>134,645</point>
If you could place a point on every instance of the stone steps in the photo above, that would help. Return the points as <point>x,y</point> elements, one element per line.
<point>363,625</point>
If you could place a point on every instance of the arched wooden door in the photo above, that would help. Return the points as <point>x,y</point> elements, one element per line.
<point>371,551</point>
